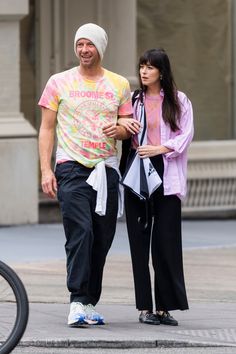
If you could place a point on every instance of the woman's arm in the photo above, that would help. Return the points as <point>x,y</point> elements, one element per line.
<point>175,146</point>
<point>152,150</point>
<point>181,142</point>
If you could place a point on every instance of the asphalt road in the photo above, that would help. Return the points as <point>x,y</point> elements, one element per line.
<point>46,243</point>
<point>42,242</point>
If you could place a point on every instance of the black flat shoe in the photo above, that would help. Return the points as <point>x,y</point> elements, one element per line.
<point>167,319</point>
<point>149,318</point>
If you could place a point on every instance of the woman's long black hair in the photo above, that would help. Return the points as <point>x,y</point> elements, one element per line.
<point>170,107</point>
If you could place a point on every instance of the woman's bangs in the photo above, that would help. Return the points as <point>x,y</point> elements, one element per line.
<point>145,60</point>
<point>148,59</point>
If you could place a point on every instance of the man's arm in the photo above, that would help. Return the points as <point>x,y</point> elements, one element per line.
<point>117,131</point>
<point>46,143</point>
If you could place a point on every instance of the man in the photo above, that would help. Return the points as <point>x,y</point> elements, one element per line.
<point>84,104</point>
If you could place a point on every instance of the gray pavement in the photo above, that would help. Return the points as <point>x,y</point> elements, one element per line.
<point>36,253</point>
<point>46,241</point>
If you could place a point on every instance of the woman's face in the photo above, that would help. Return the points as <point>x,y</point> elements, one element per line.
<point>149,75</point>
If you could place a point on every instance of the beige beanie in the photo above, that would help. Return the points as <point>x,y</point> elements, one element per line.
<point>95,34</point>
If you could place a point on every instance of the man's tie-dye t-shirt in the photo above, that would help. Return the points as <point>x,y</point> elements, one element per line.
<point>83,107</point>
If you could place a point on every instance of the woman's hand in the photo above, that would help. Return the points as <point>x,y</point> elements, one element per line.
<point>132,125</point>
<point>152,150</point>
<point>147,151</point>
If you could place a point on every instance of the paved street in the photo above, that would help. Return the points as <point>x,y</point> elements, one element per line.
<point>37,253</point>
<point>46,241</point>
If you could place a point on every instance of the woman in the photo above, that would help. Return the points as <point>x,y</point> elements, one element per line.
<point>167,115</point>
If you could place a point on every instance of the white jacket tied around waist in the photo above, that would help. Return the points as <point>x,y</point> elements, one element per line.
<point>98,180</point>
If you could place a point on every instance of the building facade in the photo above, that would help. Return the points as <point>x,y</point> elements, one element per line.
<point>36,40</point>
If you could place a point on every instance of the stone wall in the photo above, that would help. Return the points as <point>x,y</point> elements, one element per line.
<point>18,142</point>
<point>211,180</point>
<point>197,36</point>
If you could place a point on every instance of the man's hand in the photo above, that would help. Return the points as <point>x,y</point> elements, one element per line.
<point>49,183</point>
<point>110,130</point>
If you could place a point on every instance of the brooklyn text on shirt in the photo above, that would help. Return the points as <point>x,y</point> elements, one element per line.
<point>92,94</point>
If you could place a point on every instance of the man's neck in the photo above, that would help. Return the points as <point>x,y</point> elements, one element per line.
<point>94,73</point>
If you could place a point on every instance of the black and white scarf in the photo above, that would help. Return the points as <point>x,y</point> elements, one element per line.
<point>140,175</point>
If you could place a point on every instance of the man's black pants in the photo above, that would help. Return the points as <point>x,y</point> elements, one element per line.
<point>88,235</point>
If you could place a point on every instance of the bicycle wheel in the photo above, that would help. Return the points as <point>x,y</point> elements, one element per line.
<point>14,309</point>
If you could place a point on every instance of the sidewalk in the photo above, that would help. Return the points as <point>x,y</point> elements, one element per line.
<point>211,321</point>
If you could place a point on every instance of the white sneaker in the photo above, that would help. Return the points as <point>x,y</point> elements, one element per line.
<point>93,317</point>
<point>77,315</point>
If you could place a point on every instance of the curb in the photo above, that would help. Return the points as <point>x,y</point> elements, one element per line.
<point>121,344</point>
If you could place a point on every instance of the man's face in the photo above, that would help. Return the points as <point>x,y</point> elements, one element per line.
<point>87,53</point>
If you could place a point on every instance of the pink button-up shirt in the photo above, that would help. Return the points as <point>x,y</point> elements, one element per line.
<point>175,162</point>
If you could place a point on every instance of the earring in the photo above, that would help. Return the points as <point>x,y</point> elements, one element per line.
<point>161,77</point>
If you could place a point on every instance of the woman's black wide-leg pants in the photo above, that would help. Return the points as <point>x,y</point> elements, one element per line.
<point>156,226</point>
